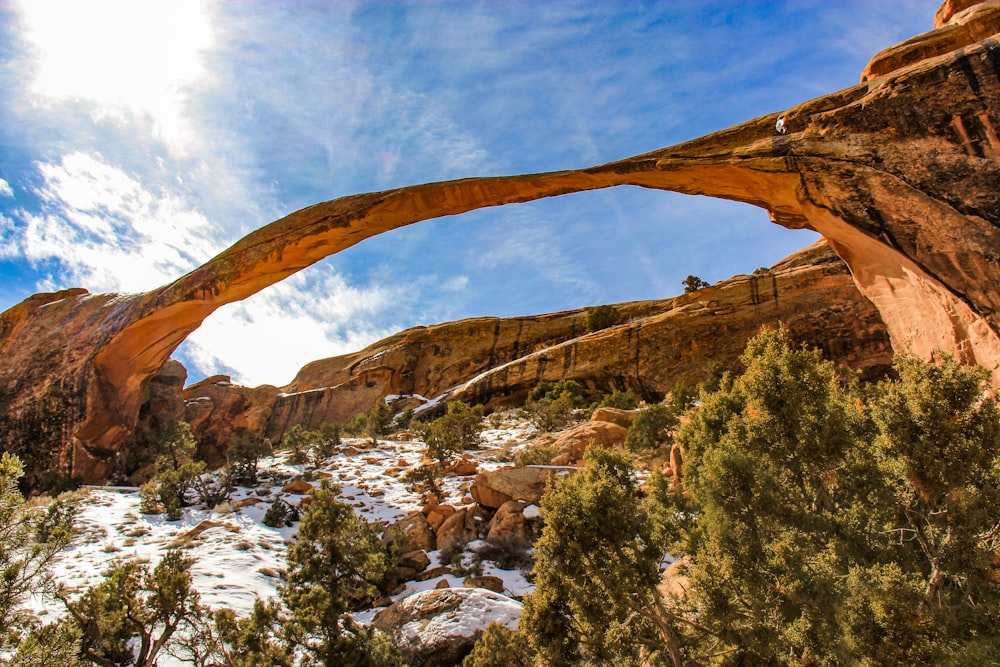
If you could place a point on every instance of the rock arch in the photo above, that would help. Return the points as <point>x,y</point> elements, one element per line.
<point>901,174</point>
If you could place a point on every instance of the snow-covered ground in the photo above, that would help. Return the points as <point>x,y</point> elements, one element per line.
<point>237,557</point>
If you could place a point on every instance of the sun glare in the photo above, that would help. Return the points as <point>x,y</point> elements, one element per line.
<point>123,56</point>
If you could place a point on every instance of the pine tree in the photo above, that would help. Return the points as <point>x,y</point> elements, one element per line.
<point>835,527</point>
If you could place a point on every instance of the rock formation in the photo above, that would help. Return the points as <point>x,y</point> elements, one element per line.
<point>438,628</point>
<point>497,362</point>
<point>899,173</point>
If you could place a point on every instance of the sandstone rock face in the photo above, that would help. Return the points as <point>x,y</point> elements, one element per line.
<point>415,532</point>
<point>813,285</point>
<point>488,582</point>
<point>961,23</point>
<point>811,293</point>
<point>901,174</point>
<point>215,407</point>
<point>438,628</point>
<point>424,361</point>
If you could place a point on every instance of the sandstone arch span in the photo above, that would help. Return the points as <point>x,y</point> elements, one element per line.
<point>899,173</point>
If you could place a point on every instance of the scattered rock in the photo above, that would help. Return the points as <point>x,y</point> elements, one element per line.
<point>438,628</point>
<point>675,578</point>
<point>509,524</point>
<point>298,487</point>
<point>417,559</point>
<point>462,468</point>
<point>434,573</point>
<point>460,528</point>
<point>676,466</point>
<point>438,515</point>
<point>188,538</point>
<point>488,582</point>
<point>574,442</point>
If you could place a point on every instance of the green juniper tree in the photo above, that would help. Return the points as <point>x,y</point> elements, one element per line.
<point>651,428</point>
<point>225,640</point>
<point>500,647</point>
<point>458,430</point>
<point>31,536</point>
<point>334,565</point>
<point>298,441</point>
<point>377,422</point>
<point>244,453</point>
<point>131,617</point>
<point>823,524</point>
<point>602,317</point>
<point>772,461</point>
<point>552,405</point>
<point>597,573</point>
<point>834,529</point>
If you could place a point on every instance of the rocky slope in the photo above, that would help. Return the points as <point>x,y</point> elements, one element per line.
<point>899,173</point>
<point>494,361</point>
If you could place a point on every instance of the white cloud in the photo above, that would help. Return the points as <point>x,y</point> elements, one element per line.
<point>312,315</point>
<point>108,231</point>
<point>127,58</point>
<point>6,190</point>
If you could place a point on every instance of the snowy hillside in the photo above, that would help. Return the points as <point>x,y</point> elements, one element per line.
<point>238,558</point>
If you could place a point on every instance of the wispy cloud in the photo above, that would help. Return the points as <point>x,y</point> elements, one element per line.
<point>6,190</point>
<point>107,230</point>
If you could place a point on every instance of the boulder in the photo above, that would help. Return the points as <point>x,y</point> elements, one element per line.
<point>435,572</point>
<point>488,582</point>
<point>415,532</point>
<point>677,468</point>
<point>297,486</point>
<point>438,514</point>
<point>674,581</point>
<point>574,442</point>
<point>495,487</point>
<point>462,468</point>
<point>438,628</point>
<point>458,529</point>
<point>623,418</point>
<point>509,525</point>
<point>417,560</point>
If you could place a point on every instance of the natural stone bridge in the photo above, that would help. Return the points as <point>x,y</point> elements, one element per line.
<point>900,174</point>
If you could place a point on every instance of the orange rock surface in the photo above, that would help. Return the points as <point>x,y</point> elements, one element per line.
<point>899,173</point>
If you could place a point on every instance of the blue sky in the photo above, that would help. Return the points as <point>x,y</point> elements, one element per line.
<point>137,140</point>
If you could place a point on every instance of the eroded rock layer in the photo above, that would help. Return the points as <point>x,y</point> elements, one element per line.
<point>899,173</point>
